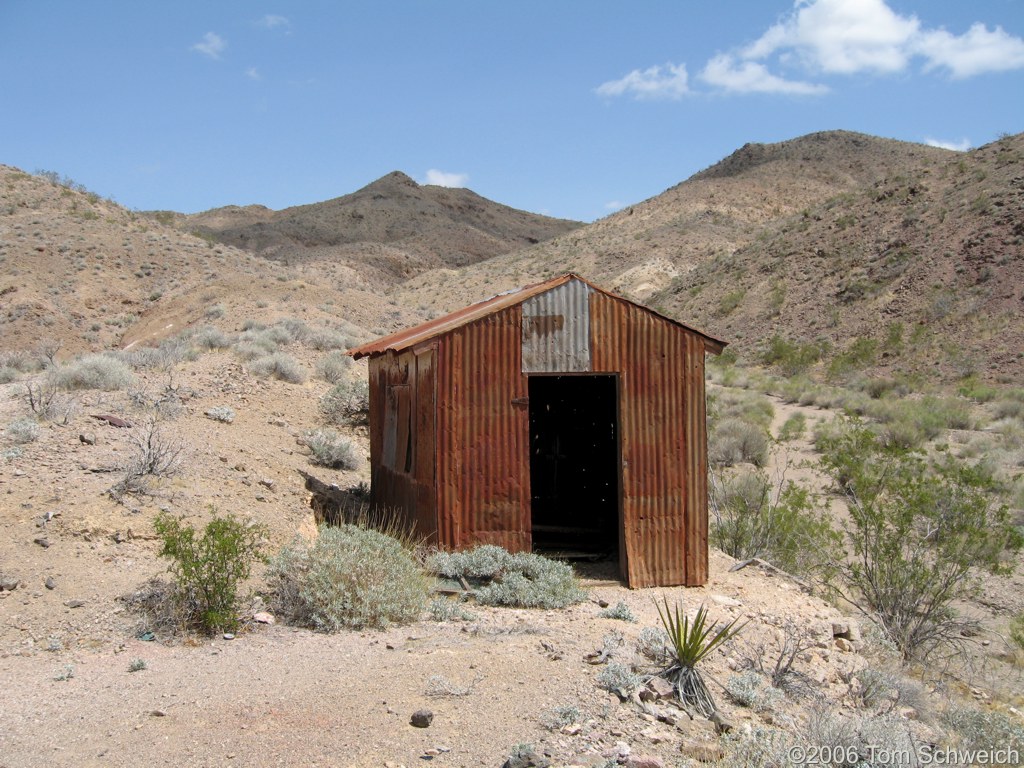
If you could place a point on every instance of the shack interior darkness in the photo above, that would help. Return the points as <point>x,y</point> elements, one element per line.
<point>574,464</point>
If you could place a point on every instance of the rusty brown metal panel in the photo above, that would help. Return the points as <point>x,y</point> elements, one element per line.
<point>440,326</point>
<point>697,470</point>
<point>425,399</point>
<point>483,454</point>
<point>556,329</point>
<point>656,406</point>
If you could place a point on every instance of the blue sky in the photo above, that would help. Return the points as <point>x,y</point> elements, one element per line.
<point>565,108</point>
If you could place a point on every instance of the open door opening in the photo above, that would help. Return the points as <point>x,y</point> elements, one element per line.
<point>574,464</point>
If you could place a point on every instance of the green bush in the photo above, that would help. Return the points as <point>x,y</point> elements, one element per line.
<point>208,568</point>
<point>93,372</point>
<point>793,428</point>
<point>347,402</point>
<point>329,449</point>
<point>522,580</point>
<point>920,531</point>
<point>752,518</point>
<point>211,338</point>
<point>8,374</point>
<point>278,366</point>
<point>1017,631</point>
<point>619,611</point>
<point>977,730</point>
<point>792,357</point>
<point>350,577</point>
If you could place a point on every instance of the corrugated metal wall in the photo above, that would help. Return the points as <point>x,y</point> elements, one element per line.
<point>556,330</point>
<point>661,412</point>
<point>483,465</point>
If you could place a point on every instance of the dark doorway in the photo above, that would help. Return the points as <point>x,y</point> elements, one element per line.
<point>574,464</point>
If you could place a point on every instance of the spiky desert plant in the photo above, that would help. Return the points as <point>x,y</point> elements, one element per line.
<point>690,642</point>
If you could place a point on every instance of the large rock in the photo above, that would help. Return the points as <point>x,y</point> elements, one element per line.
<point>422,718</point>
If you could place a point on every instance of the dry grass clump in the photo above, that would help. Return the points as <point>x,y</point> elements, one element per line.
<point>280,366</point>
<point>99,371</point>
<point>22,430</point>
<point>350,577</point>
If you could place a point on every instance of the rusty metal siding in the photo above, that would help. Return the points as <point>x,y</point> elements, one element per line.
<point>660,404</point>
<point>483,468</point>
<point>556,330</point>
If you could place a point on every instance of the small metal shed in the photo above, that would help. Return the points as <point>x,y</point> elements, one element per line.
<point>557,417</point>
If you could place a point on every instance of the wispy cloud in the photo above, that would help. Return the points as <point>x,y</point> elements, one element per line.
<point>253,74</point>
<point>612,205</point>
<point>820,38</point>
<point>273,21</point>
<point>211,45</point>
<point>445,179</point>
<point>957,146</point>
<point>667,82</point>
<point>725,72</point>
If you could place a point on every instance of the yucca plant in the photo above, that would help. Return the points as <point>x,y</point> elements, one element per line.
<point>689,643</point>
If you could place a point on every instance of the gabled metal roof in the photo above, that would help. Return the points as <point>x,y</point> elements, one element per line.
<point>409,337</point>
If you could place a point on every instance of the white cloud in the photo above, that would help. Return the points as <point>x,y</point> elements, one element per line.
<point>445,179</point>
<point>841,36</point>
<point>851,36</point>
<point>973,53</point>
<point>253,74</point>
<point>273,21</point>
<point>668,82</point>
<point>612,205</point>
<point>750,77</point>
<point>212,45</point>
<point>957,146</point>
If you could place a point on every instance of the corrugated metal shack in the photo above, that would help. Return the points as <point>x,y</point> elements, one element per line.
<point>558,417</point>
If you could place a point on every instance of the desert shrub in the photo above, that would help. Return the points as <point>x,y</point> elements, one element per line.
<point>290,329</point>
<point>858,355</point>
<point>333,367</point>
<point>560,717</point>
<point>443,609</point>
<point>154,454</point>
<point>278,366</point>
<point>852,741</point>
<point>211,338</point>
<point>222,413</point>
<point>329,449</point>
<point>327,338</point>
<point>347,402</point>
<point>349,577</point>
<point>733,441</point>
<point>750,689</point>
<point>208,568</point>
<point>793,428</point>
<point>792,358</point>
<point>22,430</point>
<point>752,517</point>
<point>137,665</point>
<point>523,579</point>
<point>920,531</point>
<point>619,679</point>
<point>8,374</point>
<point>976,730</point>
<point>1017,631</point>
<point>214,312</point>
<point>619,611</point>
<point>652,644</point>
<point>92,372</point>
<point>761,748</point>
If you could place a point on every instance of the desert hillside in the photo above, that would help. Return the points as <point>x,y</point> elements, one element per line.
<point>389,230</point>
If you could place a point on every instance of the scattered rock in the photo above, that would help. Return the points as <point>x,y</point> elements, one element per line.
<point>722,723</point>
<point>113,421</point>
<point>158,713</point>
<point>228,636</point>
<point>703,751</point>
<point>9,584</point>
<point>262,617</point>
<point>527,760</point>
<point>50,583</point>
<point>267,483</point>
<point>657,688</point>
<point>422,718</point>
<point>42,541</point>
<point>644,761</point>
<point>74,603</point>
<point>87,438</point>
<point>727,602</point>
<point>844,645</point>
